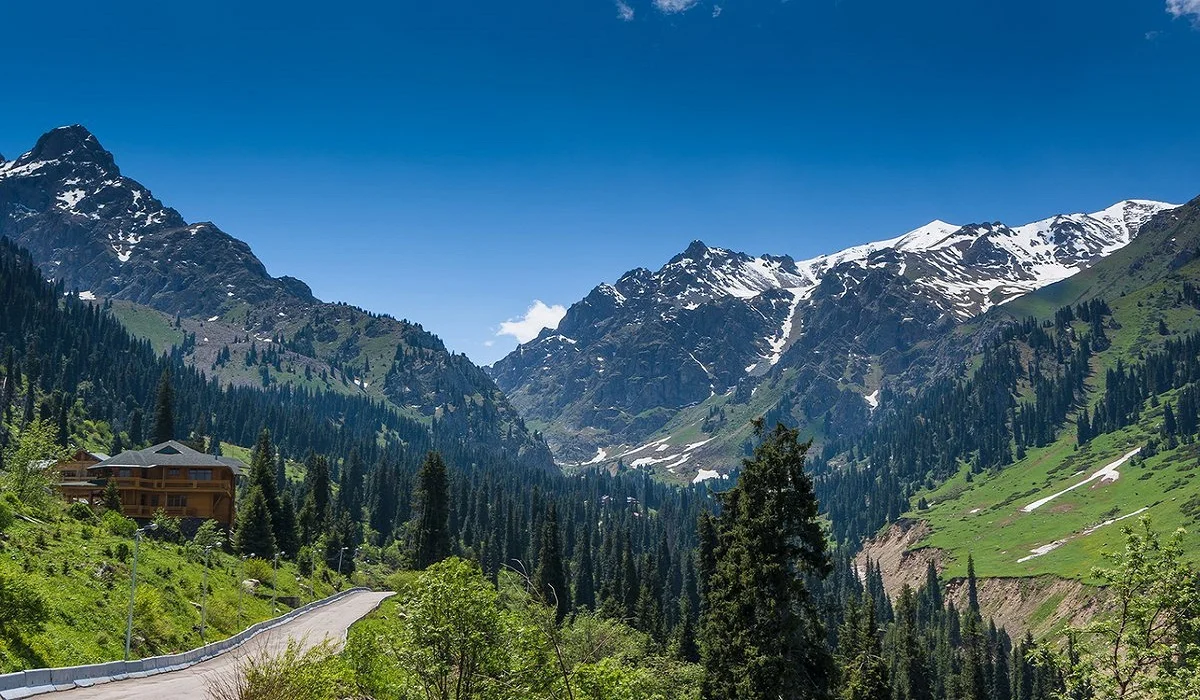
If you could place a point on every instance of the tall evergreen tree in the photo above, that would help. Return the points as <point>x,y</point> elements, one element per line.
<point>288,535</point>
<point>761,637</point>
<point>550,577</point>
<point>136,438</point>
<point>431,513</point>
<point>585,586</point>
<point>262,475</point>
<point>164,410</point>
<point>350,488</point>
<point>863,670</point>
<point>972,586</point>
<point>255,533</point>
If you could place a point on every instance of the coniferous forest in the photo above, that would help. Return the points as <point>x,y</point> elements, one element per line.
<point>746,590</point>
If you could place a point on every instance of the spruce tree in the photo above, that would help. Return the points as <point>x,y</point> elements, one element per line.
<point>112,497</point>
<point>863,671</point>
<point>761,637</point>
<point>164,410</point>
<point>255,533</point>
<point>318,484</point>
<point>288,535</point>
<point>550,577</point>
<point>972,586</point>
<point>262,475</point>
<point>585,587</point>
<point>431,513</point>
<point>350,488</point>
<point>136,438</point>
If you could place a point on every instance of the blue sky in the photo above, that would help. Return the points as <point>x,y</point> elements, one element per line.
<point>452,162</point>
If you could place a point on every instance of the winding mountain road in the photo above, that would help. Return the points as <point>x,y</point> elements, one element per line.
<point>329,622</point>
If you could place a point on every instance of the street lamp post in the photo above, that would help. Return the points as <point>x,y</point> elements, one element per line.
<point>242,585</point>
<point>275,586</point>
<point>340,553</point>
<point>137,546</point>
<point>204,590</point>
<point>312,574</point>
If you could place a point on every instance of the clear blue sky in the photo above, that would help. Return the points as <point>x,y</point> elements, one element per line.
<point>451,162</point>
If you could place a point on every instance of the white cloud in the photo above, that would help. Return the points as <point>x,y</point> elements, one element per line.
<point>539,316</point>
<point>624,11</point>
<point>716,11</point>
<point>1184,8</point>
<point>671,7</point>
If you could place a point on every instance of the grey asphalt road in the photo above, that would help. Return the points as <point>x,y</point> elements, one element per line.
<point>329,622</point>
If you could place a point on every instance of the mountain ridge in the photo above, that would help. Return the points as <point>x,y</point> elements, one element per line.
<point>106,235</point>
<point>633,355</point>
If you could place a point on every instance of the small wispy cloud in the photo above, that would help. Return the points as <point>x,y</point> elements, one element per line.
<point>672,7</point>
<point>538,316</point>
<point>1184,8</point>
<point>624,11</point>
<point>716,11</point>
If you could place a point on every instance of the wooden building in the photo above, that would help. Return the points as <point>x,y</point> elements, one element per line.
<point>171,476</point>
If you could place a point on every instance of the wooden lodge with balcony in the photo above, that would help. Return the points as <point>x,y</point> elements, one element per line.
<point>171,477</point>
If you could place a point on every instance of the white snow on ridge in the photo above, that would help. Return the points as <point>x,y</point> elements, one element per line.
<point>601,455</point>
<point>1047,548</point>
<point>1106,473</point>
<point>87,296</point>
<point>705,475</point>
<point>872,399</point>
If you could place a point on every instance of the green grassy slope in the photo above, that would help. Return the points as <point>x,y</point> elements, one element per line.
<point>984,516</point>
<point>82,571</point>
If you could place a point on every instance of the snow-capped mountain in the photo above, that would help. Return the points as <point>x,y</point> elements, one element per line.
<point>713,325</point>
<point>107,237</point>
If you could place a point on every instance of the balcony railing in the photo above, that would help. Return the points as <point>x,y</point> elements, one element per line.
<point>173,484</point>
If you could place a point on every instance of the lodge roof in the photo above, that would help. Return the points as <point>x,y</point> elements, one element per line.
<point>169,454</point>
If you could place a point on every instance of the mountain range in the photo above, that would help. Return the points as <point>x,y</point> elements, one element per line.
<point>667,368</point>
<point>105,236</point>
<point>664,370</point>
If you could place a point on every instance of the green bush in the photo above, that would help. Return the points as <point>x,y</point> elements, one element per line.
<point>81,512</point>
<point>260,570</point>
<point>166,528</point>
<point>118,524</point>
<point>6,514</point>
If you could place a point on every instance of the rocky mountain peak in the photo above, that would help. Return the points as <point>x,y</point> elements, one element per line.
<point>75,145</point>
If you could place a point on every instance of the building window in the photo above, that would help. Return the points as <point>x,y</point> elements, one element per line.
<point>173,473</point>
<point>200,474</point>
<point>124,473</point>
<point>176,501</point>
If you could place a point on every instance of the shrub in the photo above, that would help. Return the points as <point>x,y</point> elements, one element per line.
<point>6,514</point>
<point>316,674</point>
<point>22,608</point>
<point>166,528</point>
<point>208,534</point>
<point>260,570</point>
<point>118,524</point>
<point>81,512</point>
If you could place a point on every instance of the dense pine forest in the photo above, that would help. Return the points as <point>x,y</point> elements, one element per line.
<point>733,592</point>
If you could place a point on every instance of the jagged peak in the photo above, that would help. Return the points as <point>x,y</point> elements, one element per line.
<point>73,143</point>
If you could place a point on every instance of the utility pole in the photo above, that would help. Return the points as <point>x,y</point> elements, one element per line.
<point>137,546</point>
